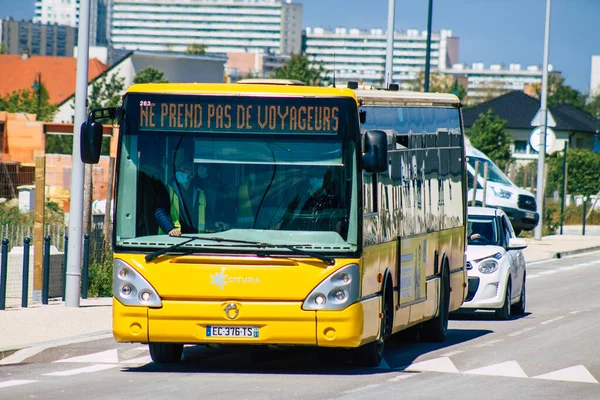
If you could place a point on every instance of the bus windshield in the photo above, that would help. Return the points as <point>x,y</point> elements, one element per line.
<point>270,170</point>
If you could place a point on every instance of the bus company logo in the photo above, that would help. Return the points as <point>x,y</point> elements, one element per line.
<point>221,279</point>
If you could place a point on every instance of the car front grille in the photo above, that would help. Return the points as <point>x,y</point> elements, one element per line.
<point>527,202</point>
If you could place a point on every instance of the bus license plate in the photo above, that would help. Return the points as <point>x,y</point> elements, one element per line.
<point>232,331</point>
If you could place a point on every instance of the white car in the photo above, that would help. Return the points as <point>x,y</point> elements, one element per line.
<point>495,264</point>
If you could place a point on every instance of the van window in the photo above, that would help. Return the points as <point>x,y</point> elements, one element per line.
<point>494,173</point>
<point>471,181</point>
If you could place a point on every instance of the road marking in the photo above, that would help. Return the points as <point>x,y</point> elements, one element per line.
<point>105,357</point>
<point>360,389</point>
<point>517,333</point>
<point>568,268</point>
<point>14,382</point>
<point>401,377</point>
<point>452,353</point>
<point>138,361</point>
<point>84,370</point>
<point>490,343</point>
<point>577,311</point>
<point>552,320</point>
<point>577,373</point>
<point>442,364</point>
<point>23,354</point>
<point>548,272</point>
<point>510,369</point>
<point>532,276</point>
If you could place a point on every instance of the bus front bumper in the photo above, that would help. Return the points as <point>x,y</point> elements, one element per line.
<point>276,323</point>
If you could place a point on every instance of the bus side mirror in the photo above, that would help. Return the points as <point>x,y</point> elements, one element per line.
<point>91,141</point>
<point>91,133</point>
<point>375,155</point>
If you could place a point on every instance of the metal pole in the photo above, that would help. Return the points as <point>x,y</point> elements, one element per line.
<point>544,110</point>
<point>73,288</point>
<point>3,272</point>
<point>86,264</point>
<point>428,49</point>
<point>389,56</point>
<point>583,216</point>
<point>66,246</point>
<point>46,281</point>
<point>564,188</point>
<point>25,287</point>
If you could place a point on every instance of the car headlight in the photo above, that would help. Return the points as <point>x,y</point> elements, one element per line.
<point>131,289</point>
<point>504,194</point>
<point>488,266</point>
<point>337,291</point>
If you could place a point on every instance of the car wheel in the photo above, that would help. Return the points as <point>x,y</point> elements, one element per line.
<point>504,312</point>
<point>519,308</point>
<point>165,353</point>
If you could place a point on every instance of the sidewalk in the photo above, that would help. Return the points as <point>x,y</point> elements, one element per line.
<point>32,329</point>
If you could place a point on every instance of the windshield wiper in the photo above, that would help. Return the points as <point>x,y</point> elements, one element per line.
<point>325,259</point>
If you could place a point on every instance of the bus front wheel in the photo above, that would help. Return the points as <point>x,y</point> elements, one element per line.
<point>371,354</point>
<point>164,353</point>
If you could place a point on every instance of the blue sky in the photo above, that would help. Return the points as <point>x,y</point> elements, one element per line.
<point>490,31</point>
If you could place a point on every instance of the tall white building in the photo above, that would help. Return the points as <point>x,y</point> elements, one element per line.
<point>66,12</point>
<point>358,55</point>
<point>223,26</point>
<point>484,83</point>
<point>595,78</point>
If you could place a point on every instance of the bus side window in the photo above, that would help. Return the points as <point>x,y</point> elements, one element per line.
<point>370,192</point>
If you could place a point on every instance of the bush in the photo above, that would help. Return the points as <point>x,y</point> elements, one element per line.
<point>101,275</point>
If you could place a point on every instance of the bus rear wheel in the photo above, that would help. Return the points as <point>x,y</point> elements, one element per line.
<point>166,353</point>
<point>435,330</point>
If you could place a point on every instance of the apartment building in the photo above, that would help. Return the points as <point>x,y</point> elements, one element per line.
<point>222,26</point>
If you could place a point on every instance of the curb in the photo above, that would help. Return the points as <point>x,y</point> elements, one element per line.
<point>561,254</point>
<point>87,337</point>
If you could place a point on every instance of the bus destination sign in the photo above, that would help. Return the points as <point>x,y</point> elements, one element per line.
<point>257,117</point>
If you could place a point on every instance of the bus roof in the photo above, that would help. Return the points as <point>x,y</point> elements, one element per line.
<point>381,97</point>
<point>267,81</point>
<point>240,89</point>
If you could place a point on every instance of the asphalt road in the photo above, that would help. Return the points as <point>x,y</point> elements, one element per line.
<point>552,352</point>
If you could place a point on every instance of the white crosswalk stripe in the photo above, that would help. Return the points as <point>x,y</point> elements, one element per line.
<point>84,370</point>
<point>15,382</point>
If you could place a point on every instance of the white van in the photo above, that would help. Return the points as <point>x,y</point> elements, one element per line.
<point>517,203</point>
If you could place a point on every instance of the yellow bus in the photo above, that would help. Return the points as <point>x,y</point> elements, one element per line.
<point>258,214</point>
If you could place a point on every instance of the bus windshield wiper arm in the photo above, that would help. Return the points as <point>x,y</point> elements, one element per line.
<point>153,255</point>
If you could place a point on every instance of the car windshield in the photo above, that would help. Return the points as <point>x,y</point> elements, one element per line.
<point>494,173</point>
<point>279,185</point>
<point>483,231</point>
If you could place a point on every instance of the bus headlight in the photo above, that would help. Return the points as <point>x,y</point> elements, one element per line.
<point>337,291</point>
<point>131,289</point>
<point>488,266</point>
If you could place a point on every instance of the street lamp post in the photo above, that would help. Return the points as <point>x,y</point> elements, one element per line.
<point>389,56</point>
<point>544,128</point>
<point>428,49</point>
<point>37,85</point>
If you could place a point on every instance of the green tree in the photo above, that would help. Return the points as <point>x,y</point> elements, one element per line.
<point>489,135</point>
<point>2,48</point>
<point>197,49</point>
<point>560,93</point>
<point>106,92</point>
<point>29,101</point>
<point>584,172</point>
<point>593,106</point>
<point>439,83</point>
<point>150,75</point>
<point>300,68</point>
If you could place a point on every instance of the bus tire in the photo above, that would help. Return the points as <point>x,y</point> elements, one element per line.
<point>371,354</point>
<point>435,330</point>
<point>166,353</point>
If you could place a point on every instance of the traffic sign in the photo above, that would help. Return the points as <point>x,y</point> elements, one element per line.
<point>535,139</point>
<point>537,120</point>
